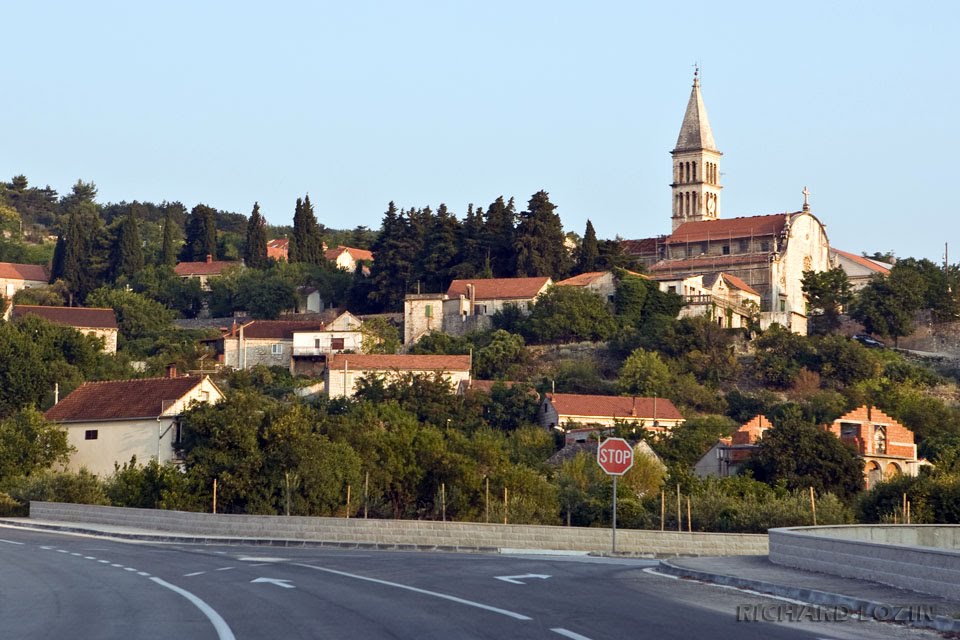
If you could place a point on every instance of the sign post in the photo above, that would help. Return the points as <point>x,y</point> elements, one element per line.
<point>615,457</point>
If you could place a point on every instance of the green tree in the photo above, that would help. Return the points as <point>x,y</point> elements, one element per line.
<point>306,241</point>
<point>886,305</point>
<point>505,353</point>
<point>588,256</point>
<point>171,234</point>
<point>396,249</point>
<point>201,235</point>
<point>141,321</point>
<point>126,257</point>
<point>80,263</point>
<point>380,336</point>
<point>255,247</point>
<point>499,233</point>
<point>644,373</point>
<point>798,454</point>
<point>569,314</point>
<point>539,242</point>
<point>266,294</point>
<point>828,292</point>
<point>28,443</point>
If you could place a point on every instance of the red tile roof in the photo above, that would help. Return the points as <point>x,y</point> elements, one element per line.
<point>80,317</point>
<point>863,262</point>
<point>706,263</point>
<point>278,248</point>
<point>583,279</point>
<point>753,226</point>
<point>358,362</point>
<point>32,272</point>
<point>356,254</point>
<point>737,283</point>
<point>121,399</point>
<point>500,288</point>
<point>643,246</point>
<point>277,329</point>
<point>572,404</point>
<point>212,268</point>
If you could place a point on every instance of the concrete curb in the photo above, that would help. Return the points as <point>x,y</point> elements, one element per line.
<point>266,542</point>
<point>810,596</point>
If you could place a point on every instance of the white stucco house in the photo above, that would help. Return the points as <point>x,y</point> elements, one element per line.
<point>345,370</point>
<point>108,423</point>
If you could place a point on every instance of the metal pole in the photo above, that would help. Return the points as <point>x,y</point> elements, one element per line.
<point>679,517</point>
<point>443,501</point>
<point>214,495</point>
<point>348,501</point>
<point>663,510</point>
<point>366,493</point>
<point>614,514</point>
<point>504,505</point>
<point>689,517</point>
<point>813,507</point>
<point>486,504</point>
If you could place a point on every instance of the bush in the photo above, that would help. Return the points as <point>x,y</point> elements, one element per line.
<point>82,487</point>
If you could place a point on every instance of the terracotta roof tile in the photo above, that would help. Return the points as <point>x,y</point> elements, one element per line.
<point>278,248</point>
<point>572,404</point>
<point>643,246</point>
<point>121,399</point>
<point>737,283</point>
<point>278,329</point>
<point>705,263</point>
<point>583,279</point>
<point>80,317</point>
<point>32,272</point>
<point>753,226</point>
<point>500,288</point>
<point>212,268</point>
<point>863,262</point>
<point>356,254</point>
<point>359,362</point>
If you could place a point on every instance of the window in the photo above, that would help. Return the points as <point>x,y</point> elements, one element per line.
<point>480,310</point>
<point>316,343</point>
<point>672,289</point>
<point>428,311</point>
<point>726,249</point>
<point>744,246</point>
<point>336,343</point>
<point>764,246</point>
<point>276,349</point>
<point>848,429</point>
<point>90,434</point>
<point>783,305</point>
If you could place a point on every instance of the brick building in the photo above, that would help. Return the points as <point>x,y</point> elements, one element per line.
<point>886,446</point>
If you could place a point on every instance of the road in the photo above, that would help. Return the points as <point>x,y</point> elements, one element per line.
<point>70,586</point>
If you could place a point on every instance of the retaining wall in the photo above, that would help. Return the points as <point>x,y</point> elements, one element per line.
<point>924,558</point>
<point>406,533</point>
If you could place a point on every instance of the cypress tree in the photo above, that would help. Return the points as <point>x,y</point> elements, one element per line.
<point>393,265</point>
<point>306,241</point>
<point>80,265</point>
<point>255,248</point>
<point>499,232</point>
<point>201,233</point>
<point>589,253</point>
<point>168,250</point>
<point>126,256</point>
<point>440,250</point>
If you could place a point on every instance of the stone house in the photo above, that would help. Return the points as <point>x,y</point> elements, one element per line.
<point>92,321</point>
<point>205,270</point>
<point>110,422</point>
<point>560,410</point>
<point>345,370</point>
<point>859,270</point>
<point>263,342</point>
<point>468,305</point>
<point>723,298</point>
<point>346,258</point>
<point>886,446</point>
<point>14,277</point>
<point>727,456</point>
<point>602,283</point>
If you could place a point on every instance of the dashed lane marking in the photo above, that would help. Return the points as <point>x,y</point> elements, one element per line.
<point>10,541</point>
<point>195,573</point>
<point>566,633</point>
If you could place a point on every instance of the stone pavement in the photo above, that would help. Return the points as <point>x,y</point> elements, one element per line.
<point>757,573</point>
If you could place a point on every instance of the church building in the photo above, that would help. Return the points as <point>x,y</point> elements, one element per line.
<point>769,252</point>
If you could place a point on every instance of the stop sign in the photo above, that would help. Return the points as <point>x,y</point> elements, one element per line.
<point>615,456</point>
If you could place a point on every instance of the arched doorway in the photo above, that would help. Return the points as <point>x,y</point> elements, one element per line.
<point>893,469</point>
<point>874,474</point>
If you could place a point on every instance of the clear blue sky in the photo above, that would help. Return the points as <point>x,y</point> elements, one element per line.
<point>360,103</point>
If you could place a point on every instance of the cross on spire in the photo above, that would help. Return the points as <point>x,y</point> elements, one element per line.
<point>806,198</point>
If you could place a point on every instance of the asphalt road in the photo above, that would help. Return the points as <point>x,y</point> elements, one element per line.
<point>69,586</point>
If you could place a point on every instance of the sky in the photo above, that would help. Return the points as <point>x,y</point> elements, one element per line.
<point>360,103</point>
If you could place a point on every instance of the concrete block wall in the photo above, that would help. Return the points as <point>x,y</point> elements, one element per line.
<point>400,533</point>
<point>924,558</point>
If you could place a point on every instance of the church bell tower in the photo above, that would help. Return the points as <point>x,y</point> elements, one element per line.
<point>696,165</point>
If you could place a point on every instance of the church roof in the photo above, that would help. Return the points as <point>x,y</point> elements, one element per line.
<point>753,226</point>
<point>705,263</point>
<point>695,132</point>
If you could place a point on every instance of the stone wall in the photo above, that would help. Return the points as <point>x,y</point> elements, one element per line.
<point>406,533</point>
<point>924,558</point>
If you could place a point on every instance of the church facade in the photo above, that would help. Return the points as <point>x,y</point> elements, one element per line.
<point>768,252</point>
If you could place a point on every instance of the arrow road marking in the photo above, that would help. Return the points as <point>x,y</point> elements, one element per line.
<point>517,579</point>
<point>276,581</point>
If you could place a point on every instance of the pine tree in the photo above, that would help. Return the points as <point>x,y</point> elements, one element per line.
<point>589,253</point>
<point>81,264</point>
<point>168,250</point>
<point>539,243</point>
<point>392,272</point>
<point>201,232</point>
<point>439,251</point>
<point>255,248</point>
<point>126,255</point>
<point>471,251</point>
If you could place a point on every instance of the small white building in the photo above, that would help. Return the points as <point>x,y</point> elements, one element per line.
<point>345,370</point>
<point>343,333</point>
<point>346,258</point>
<point>14,277</point>
<point>723,298</point>
<point>603,283</point>
<point>108,423</point>
<point>92,321</point>
<point>859,270</point>
<point>573,410</point>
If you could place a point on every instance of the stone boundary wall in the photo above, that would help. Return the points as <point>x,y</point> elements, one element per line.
<point>407,533</point>
<point>924,558</point>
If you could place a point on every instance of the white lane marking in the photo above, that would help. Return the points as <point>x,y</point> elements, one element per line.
<point>516,579</point>
<point>259,559</point>
<point>129,569</point>
<point>10,541</point>
<point>76,554</point>
<point>62,551</point>
<point>276,581</point>
<point>118,566</point>
<point>261,564</point>
<point>223,629</point>
<point>103,561</point>
<point>195,573</point>
<point>469,603</point>
<point>654,572</point>
<point>143,573</point>
<point>89,558</point>
<point>46,547</point>
<point>566,633</point>
<point>223,569</point>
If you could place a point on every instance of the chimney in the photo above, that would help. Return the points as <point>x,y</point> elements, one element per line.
<point>633,410</point>
<point>171,370</point>
<point>209,258</point>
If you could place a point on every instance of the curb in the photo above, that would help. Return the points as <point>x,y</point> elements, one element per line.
<point>810,596</point>
<point>264,542</point>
